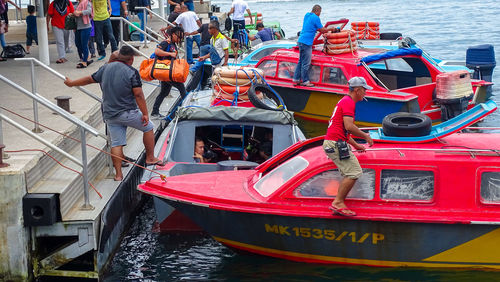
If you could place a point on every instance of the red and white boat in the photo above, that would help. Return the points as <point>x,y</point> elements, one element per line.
<point>433,204</point>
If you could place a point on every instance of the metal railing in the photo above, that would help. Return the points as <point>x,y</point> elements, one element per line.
<point>34,61</point>
<point>84,127</point>
<point>123,42</point>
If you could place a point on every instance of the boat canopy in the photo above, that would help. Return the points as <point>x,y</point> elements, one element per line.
<point>391,54</point>
<point>240,114</point>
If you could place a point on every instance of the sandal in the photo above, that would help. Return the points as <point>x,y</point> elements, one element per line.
<point>307,84</point>
<point>61,61</point>
<point>89,62</point>
<point>80,66</point>
<point>3,59</point>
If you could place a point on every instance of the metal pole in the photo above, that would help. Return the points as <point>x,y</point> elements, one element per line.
<point>145,15</point>
<point>86,205</point>
<point>4,155</point>
<point>43,37</point>
<point>121,33</point>
<point>161,3</point>
<point>37,128</point>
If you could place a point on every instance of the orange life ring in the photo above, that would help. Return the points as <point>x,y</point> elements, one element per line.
<point>231,81</point>
<point>231,72</point>
<point>230,89</point>
<point>341,46</point>
<point>369,24</point>
<point>340,51</point>
<point>341,40</point>
<point>339,35</point>
<point>370,29</point>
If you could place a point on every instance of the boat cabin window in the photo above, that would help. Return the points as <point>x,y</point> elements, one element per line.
<point>332,75</point>
<point>406,184</point>
<point>261,54</point>
<point>281,174</point>
<point>397,73</point>
<point>326,184</point>
<point>269,68</point>
<point>490,186</point>
<point>236,142</point>
<point>287,69</point>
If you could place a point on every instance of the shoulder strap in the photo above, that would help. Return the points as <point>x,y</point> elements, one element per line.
<point>153,69</point>
<point>171,69</point>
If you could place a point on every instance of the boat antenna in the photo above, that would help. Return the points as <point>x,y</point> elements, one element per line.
<point>374,76</point>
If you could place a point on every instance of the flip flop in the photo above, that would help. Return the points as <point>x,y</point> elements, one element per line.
<point>130,159</point>
<point>342,211</point>
<point>80,66</point>
<point>158,163</point>
<point>307,84</point>
<point>89,62</point>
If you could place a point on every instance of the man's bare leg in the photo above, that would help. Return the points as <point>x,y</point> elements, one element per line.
<point>345,187</point>
<point>116,157</point>
<point>149,143</point>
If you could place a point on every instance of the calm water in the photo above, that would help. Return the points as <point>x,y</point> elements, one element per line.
<point>443,28</point>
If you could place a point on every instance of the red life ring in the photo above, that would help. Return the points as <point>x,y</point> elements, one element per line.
<point>364,24</point>
<point>339,35</point>
<point>340,40</point>
<point>341,46</point>
<point>230,89</point>
<point>340,51</point>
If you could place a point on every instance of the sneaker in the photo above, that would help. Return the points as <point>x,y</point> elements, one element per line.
<point>157,116</point>
<point>101,58</point>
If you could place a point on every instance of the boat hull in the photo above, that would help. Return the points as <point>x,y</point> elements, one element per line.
<point>318,106</point>
<point>351,241</point>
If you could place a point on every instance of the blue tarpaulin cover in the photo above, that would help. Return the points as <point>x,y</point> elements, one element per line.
<point>391,54</point>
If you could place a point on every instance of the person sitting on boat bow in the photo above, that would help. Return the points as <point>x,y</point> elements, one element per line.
<point>311,25</point>
<point>217,51</point>
<point>337,136</point>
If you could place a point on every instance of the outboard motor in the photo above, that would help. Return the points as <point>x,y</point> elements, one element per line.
<point>481,59</point>
<point>453,93</point>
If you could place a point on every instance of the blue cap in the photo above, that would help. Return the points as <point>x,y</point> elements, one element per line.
<point>214,18</point>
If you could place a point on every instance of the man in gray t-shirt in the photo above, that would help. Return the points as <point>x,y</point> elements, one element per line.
<point>123,105</point>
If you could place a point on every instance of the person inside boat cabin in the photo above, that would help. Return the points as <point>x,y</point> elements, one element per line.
<point>123,105</point>
<point>199,150</point>
<point>310,26</point>
<point>337,137</point>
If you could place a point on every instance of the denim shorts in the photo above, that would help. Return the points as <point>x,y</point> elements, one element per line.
<point>117,126</point>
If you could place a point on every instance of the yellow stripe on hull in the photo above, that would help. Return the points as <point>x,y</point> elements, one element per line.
<point>341,260</point>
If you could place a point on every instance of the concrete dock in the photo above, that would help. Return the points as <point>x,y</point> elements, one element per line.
<point>45,227</point>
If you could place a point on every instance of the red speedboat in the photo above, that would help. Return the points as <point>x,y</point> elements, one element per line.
<point>403,80</point>
<point>416,206</point>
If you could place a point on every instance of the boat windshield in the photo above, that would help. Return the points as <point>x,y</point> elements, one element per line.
<point>280,175</point>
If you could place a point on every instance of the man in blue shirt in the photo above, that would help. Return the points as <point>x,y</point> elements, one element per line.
<point>310,26</point>
<point>116,7</point>
<point>264,33</point>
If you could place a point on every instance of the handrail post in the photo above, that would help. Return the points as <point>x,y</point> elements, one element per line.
<point>145,16</point>
<point>121,33</point>
<point>37,128</point>
<point>86,205</point>
<point>4,155</point>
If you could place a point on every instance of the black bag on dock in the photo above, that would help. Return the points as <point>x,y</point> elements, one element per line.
<point>13,51</point>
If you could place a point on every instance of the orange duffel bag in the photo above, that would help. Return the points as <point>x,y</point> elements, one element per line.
<point>164,70</point>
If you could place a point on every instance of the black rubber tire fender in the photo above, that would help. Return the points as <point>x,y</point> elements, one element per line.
<point>404,124</point>
<point>268,92</point>
<point>390,35</point>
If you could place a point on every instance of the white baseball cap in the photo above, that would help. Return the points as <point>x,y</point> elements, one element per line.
<point>359,81</point>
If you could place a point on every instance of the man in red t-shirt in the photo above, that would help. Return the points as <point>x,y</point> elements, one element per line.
<point>340,127</point>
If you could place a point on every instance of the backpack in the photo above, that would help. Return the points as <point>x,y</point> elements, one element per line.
<point>13,51</point>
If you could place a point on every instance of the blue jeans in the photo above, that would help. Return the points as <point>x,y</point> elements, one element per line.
<point>2,40</point>
<point>190,5</point>
<point>215,59</point>
<point>101,27</point>
<point>302,69</point>
<point>237,25</point>
<point>82,43</point>
<point>143,22</point>
<point>189,46</point>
